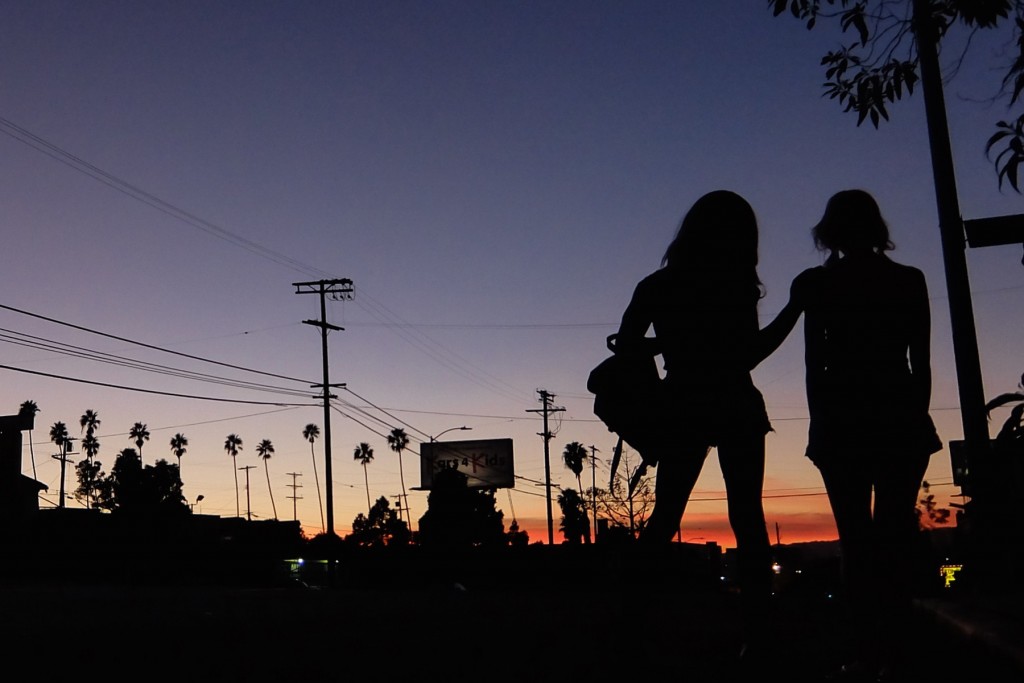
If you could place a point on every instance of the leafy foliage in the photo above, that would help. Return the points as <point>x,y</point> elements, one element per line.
<point>929,514</point>
<point>881,65</point>
<point>1011,435</point>
<point>90,478</point>
<point>380,527</point>
<point>132,489</point>
<point>575,525</point>
<point>616,505</point>
<point>460,517</point>
<point>573,457</point>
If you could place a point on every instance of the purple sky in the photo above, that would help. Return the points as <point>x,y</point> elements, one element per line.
<point>494,178</point>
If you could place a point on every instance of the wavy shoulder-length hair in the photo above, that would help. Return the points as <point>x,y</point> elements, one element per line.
<point>852,222</point>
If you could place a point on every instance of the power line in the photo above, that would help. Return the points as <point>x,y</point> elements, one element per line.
<point>150,391</point>
<point>68,159</point>
<point>42,344</point>
<point>386,413</point>
<point>149,346</point>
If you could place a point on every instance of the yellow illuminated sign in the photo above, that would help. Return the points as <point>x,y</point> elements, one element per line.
<point>948,572</point>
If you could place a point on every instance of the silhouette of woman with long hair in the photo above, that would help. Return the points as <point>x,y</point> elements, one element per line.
<point>867,336</point>
<point>702,306</point>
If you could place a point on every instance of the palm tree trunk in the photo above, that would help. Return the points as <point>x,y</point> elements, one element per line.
<point>32,451</point>
<point>269,488</point>
<point>405,498</point>
<point>238,505</point>
<point>366,480</point>
<point>316,477</point>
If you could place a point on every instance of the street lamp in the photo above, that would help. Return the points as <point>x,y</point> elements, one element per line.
<point>433,439</point>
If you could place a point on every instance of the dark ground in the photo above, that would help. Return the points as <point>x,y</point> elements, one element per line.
<point>600,630</point>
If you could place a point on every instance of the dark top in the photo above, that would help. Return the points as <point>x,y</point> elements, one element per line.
<point>867,328</point>
<point>706,332</point>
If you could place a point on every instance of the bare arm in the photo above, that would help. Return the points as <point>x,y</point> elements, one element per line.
<point>771,336</point>
<point>636,322</point>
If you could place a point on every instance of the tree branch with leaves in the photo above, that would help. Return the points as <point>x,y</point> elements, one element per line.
<point>880,66</point>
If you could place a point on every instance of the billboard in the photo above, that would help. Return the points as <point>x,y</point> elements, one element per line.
<point>487,463</point>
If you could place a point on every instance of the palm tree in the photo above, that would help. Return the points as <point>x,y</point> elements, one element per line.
<point>310,433</point>
<point>264,449</point>
<point>59,436</point>
<point>574,455</point>
<point>364,454</point>
<point>90,446</point>
<point>89,421</point>
<point>139,433</point>
<point>178,444</point>
<point>397,441</point>
<point>233,444</point>
<point>30,408</point>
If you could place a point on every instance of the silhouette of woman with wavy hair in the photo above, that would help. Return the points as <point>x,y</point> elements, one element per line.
<point>867,336</point>
<point>702,306</point>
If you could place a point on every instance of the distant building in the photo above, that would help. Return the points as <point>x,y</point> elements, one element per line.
<point>19,494</point>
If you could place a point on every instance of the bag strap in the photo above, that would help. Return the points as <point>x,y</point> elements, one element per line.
<point>649,346</point>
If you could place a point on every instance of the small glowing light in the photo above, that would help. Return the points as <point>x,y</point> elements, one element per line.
<point>776,567</point>
<point>948,572</point>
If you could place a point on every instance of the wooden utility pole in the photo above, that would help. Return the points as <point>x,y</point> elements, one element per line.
<point>65,451</point>
<point>593,486</point>
<point>337,290</point>
<point>248,500</point>
<point>546,409</point>
<point>295,486</point>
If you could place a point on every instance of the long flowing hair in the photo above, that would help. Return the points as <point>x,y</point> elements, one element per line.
<point>717,243</point>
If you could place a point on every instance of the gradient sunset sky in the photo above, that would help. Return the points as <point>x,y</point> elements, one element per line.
<point>494,177</point>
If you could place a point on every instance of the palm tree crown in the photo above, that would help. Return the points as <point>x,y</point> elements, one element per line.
<point>139,433</point>
<point>90,446</point>
<point>364,454</point>
<point>178,447</point>
<point>29,407</point>
<point>89,421</point>
<point>574,455</point>
<point>59,434</point>
<point>265,449</point>
<point>311,432</point>
<point>398,440</point>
